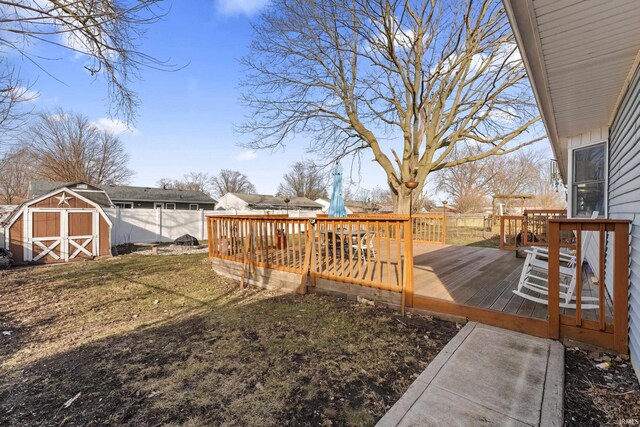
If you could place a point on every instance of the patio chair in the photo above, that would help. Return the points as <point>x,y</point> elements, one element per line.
<point>535,272</point>
<point>365,245</point>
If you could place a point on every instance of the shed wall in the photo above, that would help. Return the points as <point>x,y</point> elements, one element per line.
<point>15,240</point>
<point>105,238</point>
<point>624,197</point>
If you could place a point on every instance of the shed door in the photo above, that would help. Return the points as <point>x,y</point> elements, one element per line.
<point>47,237</point>
<point>82,234</point>
<point>62,235</point>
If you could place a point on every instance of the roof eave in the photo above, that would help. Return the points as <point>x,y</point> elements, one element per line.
<point>522,18</point>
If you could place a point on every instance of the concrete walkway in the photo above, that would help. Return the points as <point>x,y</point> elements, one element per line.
<point>486,376</point>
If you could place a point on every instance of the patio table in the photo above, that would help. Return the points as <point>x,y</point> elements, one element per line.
<point>344,240</point>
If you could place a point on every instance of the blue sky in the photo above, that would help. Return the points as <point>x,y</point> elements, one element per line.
<point>186,118</point>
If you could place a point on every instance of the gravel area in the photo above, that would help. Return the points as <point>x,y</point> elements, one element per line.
<point>173,250</point>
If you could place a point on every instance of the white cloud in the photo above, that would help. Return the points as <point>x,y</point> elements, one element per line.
<point>504,116</point>
<point>115,126</point>
<point>240,7</point>
<point>24,94</point>
<point>58,117</point>
<point>246,155</point>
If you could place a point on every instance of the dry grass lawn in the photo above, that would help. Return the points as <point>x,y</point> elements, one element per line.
<point>468,236</point>
<point>162,340</point>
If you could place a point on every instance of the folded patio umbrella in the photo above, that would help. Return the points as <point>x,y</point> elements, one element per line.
<point>336,207</point>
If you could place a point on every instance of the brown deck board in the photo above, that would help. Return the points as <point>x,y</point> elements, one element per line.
<point>481,277</point>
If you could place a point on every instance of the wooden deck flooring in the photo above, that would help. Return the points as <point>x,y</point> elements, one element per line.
<point>480,277</point>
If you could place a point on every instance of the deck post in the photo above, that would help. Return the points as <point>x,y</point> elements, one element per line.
<point>210,236</point>
<point>444,228</point>
<point>554,280</point>
<point>621,288</point>
<point>308,262</point>
<point>407,287</point>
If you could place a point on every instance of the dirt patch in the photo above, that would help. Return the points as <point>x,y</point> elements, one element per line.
<point>164,341</point>
<point>597,396</point>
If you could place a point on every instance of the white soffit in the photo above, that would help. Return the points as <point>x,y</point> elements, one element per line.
<point>579,55</point>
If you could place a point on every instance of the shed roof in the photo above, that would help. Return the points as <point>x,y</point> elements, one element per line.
<point>263,201</point>
<point>91,192</point>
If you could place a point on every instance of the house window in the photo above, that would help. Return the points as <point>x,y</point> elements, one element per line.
<point>193,207</point>
<point>124,205</point>
<point>158,205</point>
<point>588,187</point>
<point>170,206</point>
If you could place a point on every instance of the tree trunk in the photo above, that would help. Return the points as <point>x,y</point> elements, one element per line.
<point>401,199</point>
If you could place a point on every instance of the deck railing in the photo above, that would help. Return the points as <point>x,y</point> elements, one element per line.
<point>530,229</point>
<point>366,251</point>
<point>534,226</point>
<point>610,328</point>
<point>510,227</point>
<point>370,251</point>
<point>427,228</point>
<point>276,241</point>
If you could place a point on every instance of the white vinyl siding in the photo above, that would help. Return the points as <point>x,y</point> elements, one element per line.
<point>624,197</point>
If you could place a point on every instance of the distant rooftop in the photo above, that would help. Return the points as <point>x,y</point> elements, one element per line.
<point>263,201</point>
<point>126,193</point>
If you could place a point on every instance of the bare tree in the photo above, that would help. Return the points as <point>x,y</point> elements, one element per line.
<point>68,147</point>
<point>107,32</point>
<point>13,94</point>
<point>549,195</point>
<point>228,181</point>
<point>369,195</point>
<point>192,181</point>
<point>16,170</point>
<point>165,183</point>
<point>468,183</point>
<point>516,173</point>
<point>404,80</point>
<point>304,180</point>
<point>471,184</point>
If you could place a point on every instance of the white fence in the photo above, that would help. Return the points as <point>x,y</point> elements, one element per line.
<point>162,225</point>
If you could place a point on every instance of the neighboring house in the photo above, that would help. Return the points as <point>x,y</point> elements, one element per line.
<point>127,197</point>
<point>582,59</point>
<point>5,211</point>
<point>361,207</point>
<point>386,207</point>
<point>245,201</point>
<point>325,206</point>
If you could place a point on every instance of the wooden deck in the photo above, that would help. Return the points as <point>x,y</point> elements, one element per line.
<point>480,277</point>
